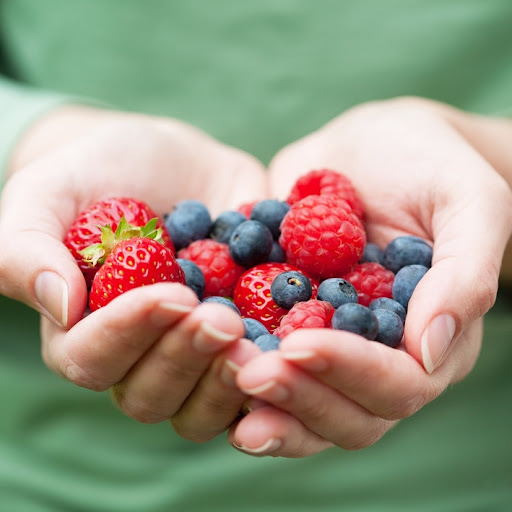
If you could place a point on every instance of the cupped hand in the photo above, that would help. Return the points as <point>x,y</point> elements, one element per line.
<point>416,175</point>
<point>161,352</point>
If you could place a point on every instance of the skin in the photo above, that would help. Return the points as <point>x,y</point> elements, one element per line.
<point>447,175</point>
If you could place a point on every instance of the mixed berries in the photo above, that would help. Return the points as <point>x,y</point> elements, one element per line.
<point>304,262</point>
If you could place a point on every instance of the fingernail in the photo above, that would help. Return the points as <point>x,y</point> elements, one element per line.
<point>228,373</point>
<point>271,390</point>
<point>52,294</point>
<point>209,339</point>
<point>167,312</point>
<point>307,359</point>
<point>270,446</point>
<point>436,340</point>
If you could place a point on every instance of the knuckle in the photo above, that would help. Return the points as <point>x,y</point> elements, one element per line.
<point>76,374</point>
<point>137,411</point>
<point>364,439</point>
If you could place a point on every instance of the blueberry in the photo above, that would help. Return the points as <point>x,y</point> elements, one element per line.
<point>373,254</point>
<point>277,254</point>
<point>356,318</point>
<point>267,342</point>
<point>407,250</point>
<point>337,291</point>
<point>405,282</point>
<point>194,277</point>
<point>222,300</point>
<point>190,220</point>
<point>391,327</point>
<point>290,287</point>
<point>387,303</point>
<point>250,243</point>
<point>270,212</point>
<point>225,224</point>
<point>254,329</point>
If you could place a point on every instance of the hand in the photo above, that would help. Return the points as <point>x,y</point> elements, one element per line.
<point>162,354</point>
<point>416,175</point>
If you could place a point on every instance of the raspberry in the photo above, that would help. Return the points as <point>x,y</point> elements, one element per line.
<point>326,181</point>
<point>220,271</point>
<point>371,280</point>
<point>246,208</point>
<point>252,294</point>
<point>322,236</point>
<point>311,314</point>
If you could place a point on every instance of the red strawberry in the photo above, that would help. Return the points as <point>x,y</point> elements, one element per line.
<point>132,263</point>
<point>371,280</point>
<point>220,271</point>
<point>86,231</point>
<point>326,181</point>
<point>310,314</point>
<point>322,236</point>
<point>252,293</point>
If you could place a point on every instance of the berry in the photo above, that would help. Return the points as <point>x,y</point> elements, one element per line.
<point>252,294</point>
<point>407,250</point>
<point>312,314</point>
<point>189,220</point>
<point>225,224</point>
<point>406,280</point>
<point>132,263</point>
<point>326,181</point>
<point>194,277</point>
<point>222,300</point>
<point>220,271</point>
<point>337,291</point>
<point>250,243</point>
<point>387,303</point>
<point>322,236</point>
<point>86,229</point>
<point>371,280</point>
<point>267,342</point>
<point>391,327</point>
<point>277,254</point>
<point>253,329</point>
<point>373,254</point>
<point>289,288</point>
<point>356,318</point>
<point>246,208</point>
<point>270,212</point>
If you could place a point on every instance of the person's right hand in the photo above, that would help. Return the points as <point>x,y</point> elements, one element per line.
<point>162,354</point>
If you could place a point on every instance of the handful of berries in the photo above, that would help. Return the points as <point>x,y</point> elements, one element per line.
<point>282,265</point>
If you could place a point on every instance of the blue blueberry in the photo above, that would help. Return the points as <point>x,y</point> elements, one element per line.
<point>356,318</point>
<point>194,277</point>
<point>271,213</point>
<point>267,342</point>
<point>387,303</point>
<point>337,291</point>
<point>407,250</point>
<point>222,300</point>
<point>290,287</point>
<point>224,225</point>
<point>372,254</point>
<point>406,280</point>
<point>277,254</point>
<point>250,243</point>
<point>189,221</point>
<point>254,329</point>
<point>391,327</point>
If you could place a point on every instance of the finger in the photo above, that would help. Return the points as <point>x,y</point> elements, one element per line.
<point>271,431</point>
<point>319,407</point>
<point>216,400</point>
<point>159,383</point>
<point>99,350</point>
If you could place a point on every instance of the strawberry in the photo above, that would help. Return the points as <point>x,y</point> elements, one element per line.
<point>86,230</point>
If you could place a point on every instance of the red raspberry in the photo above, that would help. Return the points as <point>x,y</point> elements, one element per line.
<point>252,293</point>
<point>312,314</point>
<point>326,181</point>
<point>246,208</point>
<point>322,236</point>
<point>220,272</point>
<point>371,280</point>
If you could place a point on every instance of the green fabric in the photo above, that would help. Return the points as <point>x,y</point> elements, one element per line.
<point>256,75</point>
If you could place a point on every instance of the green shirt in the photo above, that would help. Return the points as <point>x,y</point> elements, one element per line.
<point>256,75</point>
